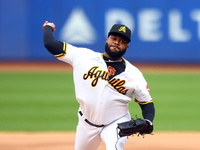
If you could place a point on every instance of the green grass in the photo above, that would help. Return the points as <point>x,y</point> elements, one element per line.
<point>40,101</point>
<point>46,102</point>
<point>177,101</point>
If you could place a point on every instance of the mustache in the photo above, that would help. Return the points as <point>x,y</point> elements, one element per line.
<point>115,46</point>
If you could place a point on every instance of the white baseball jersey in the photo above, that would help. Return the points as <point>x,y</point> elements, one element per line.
<point>101,100</point>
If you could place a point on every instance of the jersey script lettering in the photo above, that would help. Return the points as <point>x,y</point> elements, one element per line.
<point>117,84</point>
<point>93,72</point>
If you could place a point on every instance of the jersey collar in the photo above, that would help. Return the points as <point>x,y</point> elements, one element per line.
<point>108,60</point>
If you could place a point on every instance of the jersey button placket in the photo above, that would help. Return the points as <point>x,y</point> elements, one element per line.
<point>99,107</point>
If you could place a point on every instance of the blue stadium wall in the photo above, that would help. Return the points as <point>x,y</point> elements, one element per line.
<point>163,31</point>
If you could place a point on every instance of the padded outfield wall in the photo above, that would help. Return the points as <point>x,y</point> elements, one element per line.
<point>163,31</point>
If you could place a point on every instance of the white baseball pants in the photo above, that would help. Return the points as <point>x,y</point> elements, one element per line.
<point>89,137</point>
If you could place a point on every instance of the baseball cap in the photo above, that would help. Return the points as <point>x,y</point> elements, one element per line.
<point>121,30</point>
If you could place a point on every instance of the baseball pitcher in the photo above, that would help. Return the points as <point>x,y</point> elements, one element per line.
<point>105,84</point>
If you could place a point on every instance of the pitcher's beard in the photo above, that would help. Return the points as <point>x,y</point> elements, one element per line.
<point>115,55</point>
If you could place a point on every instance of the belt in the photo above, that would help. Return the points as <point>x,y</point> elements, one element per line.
<point>98,126</point>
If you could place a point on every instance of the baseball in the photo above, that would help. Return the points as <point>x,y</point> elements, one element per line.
<point>49,23</point>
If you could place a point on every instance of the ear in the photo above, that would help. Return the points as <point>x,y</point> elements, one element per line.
<point>127,47</point>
